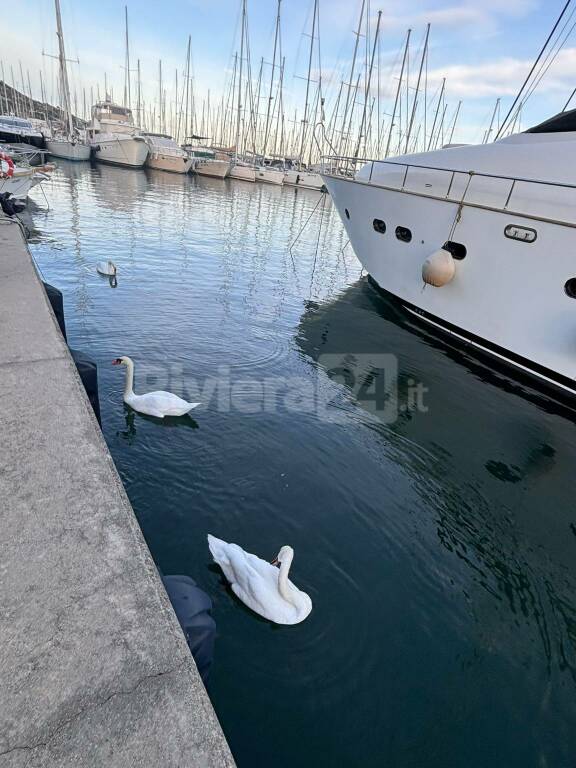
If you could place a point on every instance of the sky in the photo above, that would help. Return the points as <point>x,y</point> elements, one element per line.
<point>484,48</point>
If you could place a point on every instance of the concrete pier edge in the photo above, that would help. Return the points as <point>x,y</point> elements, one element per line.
<point>94,668</point>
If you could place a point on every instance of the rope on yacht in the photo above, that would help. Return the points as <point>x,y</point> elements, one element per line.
<point>458,215</point>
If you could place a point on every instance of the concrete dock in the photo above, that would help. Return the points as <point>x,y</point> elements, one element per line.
<point>94,668</point>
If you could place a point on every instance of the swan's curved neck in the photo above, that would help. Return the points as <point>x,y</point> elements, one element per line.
<point>129,381</point>
<point>283,587</point>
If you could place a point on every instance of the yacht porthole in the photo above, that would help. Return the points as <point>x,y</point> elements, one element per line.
<point>347,212</point>
<point>404,234</point>
<point>570,287</point>
<point>457,250</point>
<point>379,226</point>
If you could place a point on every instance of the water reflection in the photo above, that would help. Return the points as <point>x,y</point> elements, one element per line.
<point>470,440</point>
<point>117,188</point>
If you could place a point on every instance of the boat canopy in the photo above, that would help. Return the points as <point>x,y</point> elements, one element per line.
<point>16,122</point>
<point>160,139</point>
<point>564,122</point>
<point>107,109</point>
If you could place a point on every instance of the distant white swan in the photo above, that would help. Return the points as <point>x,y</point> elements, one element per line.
<point>157,404</point>
<point>106,268</point>
<point>262,586</point>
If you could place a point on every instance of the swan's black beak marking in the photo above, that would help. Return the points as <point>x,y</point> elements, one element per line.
<point>275,562</point>
<point>118,361</point>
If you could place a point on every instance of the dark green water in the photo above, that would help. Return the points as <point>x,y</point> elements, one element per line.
<point>439,547</point>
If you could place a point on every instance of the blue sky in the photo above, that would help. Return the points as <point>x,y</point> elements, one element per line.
<point>484,49</point>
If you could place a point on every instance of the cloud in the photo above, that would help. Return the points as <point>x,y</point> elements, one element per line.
<point>503,77</point>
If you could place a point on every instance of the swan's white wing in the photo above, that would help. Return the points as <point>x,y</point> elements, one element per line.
<point>253,580</point>
<point>161,404</point>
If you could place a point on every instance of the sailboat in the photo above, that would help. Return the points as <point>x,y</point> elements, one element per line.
<point>239,169</point>
<point>266,172</point>
<point>302,176</point>
<point>164,153</point>
<point>66,144</point>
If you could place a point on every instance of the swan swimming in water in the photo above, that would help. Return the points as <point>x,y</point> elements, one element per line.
<point>157,404</point>
<point>106,268</point>
<point>262,586</point>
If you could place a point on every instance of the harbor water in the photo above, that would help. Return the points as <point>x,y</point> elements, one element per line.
<point>428,497</point>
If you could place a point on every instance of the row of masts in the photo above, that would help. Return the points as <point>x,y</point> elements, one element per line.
<point>370,113</point>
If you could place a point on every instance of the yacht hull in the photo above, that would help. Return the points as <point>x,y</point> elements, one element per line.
<point>130,151</point>
<point>508,296</point>
<point>243,172</point>
<point>217,168</point>
<point>304,179</point>
<point>67,150</point>
<point>270,176</point>
<point>20,184</point>
<point>170,163</point>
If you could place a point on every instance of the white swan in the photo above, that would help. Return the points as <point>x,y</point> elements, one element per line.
<point>106,268</point>
<point>260,585</point>
<point>157,404</point>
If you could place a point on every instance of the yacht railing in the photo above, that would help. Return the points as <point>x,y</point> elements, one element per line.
<point>537,199</point>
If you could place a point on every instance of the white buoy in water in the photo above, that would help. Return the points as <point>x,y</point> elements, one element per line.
<point>106,268</point>
<point>439,268</point>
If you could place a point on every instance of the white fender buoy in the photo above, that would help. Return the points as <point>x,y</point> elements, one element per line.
<point>439,268</point>
<point>106,268</point>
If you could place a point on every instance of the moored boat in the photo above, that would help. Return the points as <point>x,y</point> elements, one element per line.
<point>489,231</point>
<point>306,179</point>
<point>164,154</point>
<point>67,142</point>
<point>270,175</point>
<point>205,162</point>
<point>243,171</point>
<point>114,138</point>
<point>68,148</point>
<point>16,129</point>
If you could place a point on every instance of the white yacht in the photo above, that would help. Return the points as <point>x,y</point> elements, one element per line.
<point>22,180</point>
<point>165,154</point>
<point>242,170</point>
<point>16,129</point>
<point>270,175</point>
<point>206,162</point>
<point>477,241</point>
<point>302,178</point>
<point>114,137</point>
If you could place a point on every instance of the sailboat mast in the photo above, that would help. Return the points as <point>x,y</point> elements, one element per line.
<point>160,96</point>
<point>398,93</point>
<point>139,96</point>
<point>415,102</point>
<point>367,91</point>
<point>304,121</point>
<point>127,95</point>
<point>352,68</point>
<point>239,115</point>
<point>440,97</point>
<point>65,88</point>
<point>270,97</point>
<point>187,126</point>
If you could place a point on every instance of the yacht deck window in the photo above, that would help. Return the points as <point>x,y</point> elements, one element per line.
<point>379,226</point>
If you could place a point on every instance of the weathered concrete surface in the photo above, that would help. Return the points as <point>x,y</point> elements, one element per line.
<point>94,670</point>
